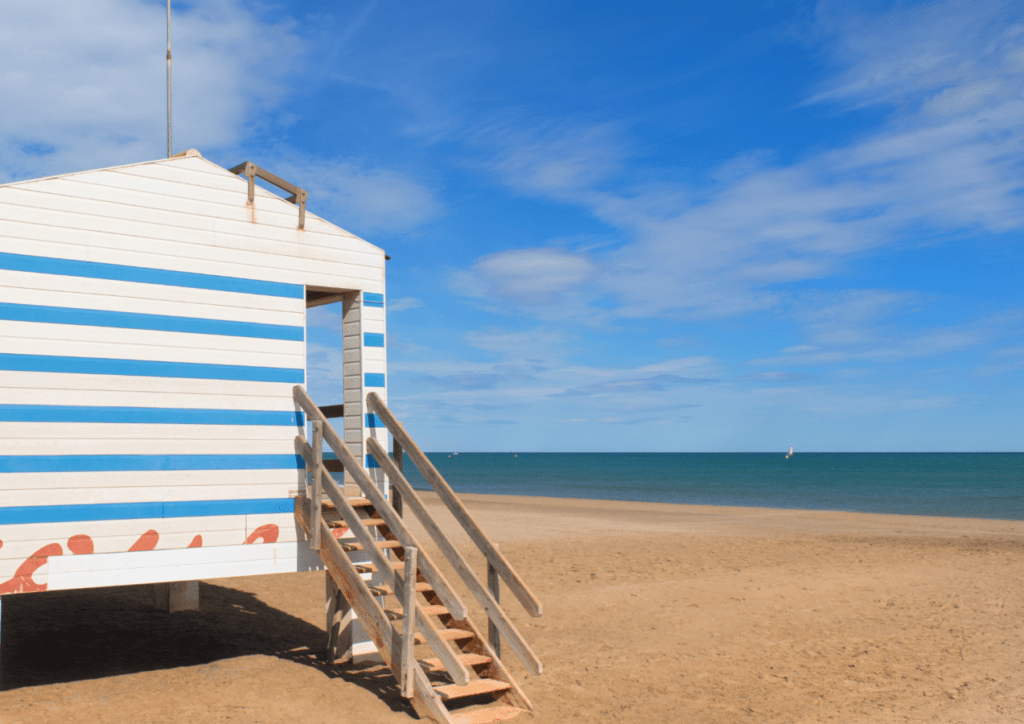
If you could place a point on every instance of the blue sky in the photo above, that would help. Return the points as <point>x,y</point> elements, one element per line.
<point>613,226</point>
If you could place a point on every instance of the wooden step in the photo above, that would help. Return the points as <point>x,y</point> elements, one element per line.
<point>473,688</point>
<point>372,568</point>
<point>486,716</point>
<point>370,522</point>
<point>447,634</point>
<point>380,544</point>
<point>435,666</point>
<point>386,590</point>
<point>335,524</point>
<point>354,502</point>
<point>396,614</point>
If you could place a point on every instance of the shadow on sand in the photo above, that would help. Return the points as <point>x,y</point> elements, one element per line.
<point>63,636</point>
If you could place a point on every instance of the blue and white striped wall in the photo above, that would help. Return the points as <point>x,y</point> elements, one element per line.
<point>152,326</point>
<point>374,375</point>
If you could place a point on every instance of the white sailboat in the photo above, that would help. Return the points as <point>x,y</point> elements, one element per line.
<point>790,453</point>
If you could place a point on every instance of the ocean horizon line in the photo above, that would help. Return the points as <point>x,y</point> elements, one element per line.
<point>724,452</point>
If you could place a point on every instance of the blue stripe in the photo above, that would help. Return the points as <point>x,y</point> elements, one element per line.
<point>373,339</point>
<point>131,511</point>
<point>158,322</point>
<point>374,379</point>
<point>111,463</point>
<point>144,368</point>
<point>373,300</point>
<point>373,421</point>
<point>117,272</point>
<point>147,415</point>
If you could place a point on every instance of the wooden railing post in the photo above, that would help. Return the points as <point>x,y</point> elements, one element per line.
<point>494,584</point>
<point>444,491</point>
<point>316,501</point>
<point>408,680</point>
<point>455,607</point>
<point>396,497</point>
<point>476,587</point>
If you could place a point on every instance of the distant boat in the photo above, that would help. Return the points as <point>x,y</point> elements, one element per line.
<point>454,453</point>
<point>790,453</point>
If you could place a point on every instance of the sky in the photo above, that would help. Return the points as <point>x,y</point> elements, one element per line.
<point>612,226</point>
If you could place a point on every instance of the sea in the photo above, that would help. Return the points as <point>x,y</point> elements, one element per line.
<point>967,485</point>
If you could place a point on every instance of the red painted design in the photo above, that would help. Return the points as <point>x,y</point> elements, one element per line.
<point>268,533</point>
<point>81,545</point>
<point>339,532</point>
<point>146,542</point>
<point>22,581</point>
<point>197,542</point>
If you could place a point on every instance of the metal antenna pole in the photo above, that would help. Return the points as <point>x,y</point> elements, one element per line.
<point>168,78</point>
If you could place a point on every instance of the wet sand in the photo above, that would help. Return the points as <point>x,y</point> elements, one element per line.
<point>652,613</point>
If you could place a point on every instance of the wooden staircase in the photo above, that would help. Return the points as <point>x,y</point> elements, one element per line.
<point>460,678</point>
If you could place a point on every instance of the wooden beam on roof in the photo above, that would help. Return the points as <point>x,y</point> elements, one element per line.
<point>252,171</point>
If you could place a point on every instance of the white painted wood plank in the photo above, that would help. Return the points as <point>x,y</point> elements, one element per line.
<point>288,480</point>
<point>288,352</point>
<point>61,431</point>
<point>119,569</point>
<point>209,245</point>
<point>201,173</point>
<point>23,240</point>
<point>55,290</point>
<point>214,177</point>
<point>118,536</point>
<point>373,318</point>
<point>129,446</point>
<point>280,393</point>
<point>123,542</point>
<point>36,534</point>
<point>286,524</point>
<point>141,344</point>
<point>98,496</point>
<point>164,195</point>
<point>169,194</point>
<point>231,228</point>
<point>121,398</point>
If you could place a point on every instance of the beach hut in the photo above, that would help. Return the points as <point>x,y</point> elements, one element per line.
<point>152,327</point>
<point>153,415</point>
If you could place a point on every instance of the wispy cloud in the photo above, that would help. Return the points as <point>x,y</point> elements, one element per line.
<point>361,197</point>
<point>655,383</point>
<point>403,304</point>
<point>84,83</point>
<point>945,162</point>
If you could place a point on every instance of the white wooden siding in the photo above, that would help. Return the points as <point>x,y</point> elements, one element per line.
<point>18,287</point>
<point>180,215</point>
<point>65,340</point>
<point>182,237</point>
<point>118,569</point>
<point>54,388</point>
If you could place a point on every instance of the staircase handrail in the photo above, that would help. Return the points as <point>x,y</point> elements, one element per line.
<point>395,523</point>
<point>422,622</point>
<point>402,533</point>
<point>444,491</point>
<point>495,614</point>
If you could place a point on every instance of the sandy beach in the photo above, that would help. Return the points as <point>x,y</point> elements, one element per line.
<point>653,613</point>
